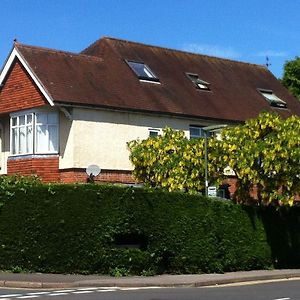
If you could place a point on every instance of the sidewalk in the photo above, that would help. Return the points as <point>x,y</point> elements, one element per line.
<point>37,280</point>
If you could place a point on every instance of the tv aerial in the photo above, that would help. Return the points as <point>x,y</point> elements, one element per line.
<point>92,171</point>
<point>268,64</point>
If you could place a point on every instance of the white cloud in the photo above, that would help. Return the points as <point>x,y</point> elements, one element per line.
<point>213,50</point>
<point>272,53</point>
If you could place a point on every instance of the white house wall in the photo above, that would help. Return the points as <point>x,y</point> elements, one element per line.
<point>100,137</point>
<point>66,142</point>
<point>4,144</point>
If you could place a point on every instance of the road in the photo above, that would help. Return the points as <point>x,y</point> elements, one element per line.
<point>280,290</point>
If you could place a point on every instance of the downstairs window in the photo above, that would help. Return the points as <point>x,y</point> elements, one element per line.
<point>34,133</point>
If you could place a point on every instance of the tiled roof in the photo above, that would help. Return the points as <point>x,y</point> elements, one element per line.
<point>99,76</point>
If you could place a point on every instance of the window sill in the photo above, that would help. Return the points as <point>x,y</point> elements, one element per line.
<point>28,156</point>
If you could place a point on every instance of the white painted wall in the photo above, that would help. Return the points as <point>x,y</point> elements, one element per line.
<point>100,137</point>
<point>4,144</point>
<point>66,142</point>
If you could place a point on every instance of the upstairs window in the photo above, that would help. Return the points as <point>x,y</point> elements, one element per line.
<point>153,132</point>
<point>272,98</point>
<point>196,132</point>
<point>199,83</point>
<point>142,71</point>
<point>34,133</point>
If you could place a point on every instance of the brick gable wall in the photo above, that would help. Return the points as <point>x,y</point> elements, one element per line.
<point>19,91</point>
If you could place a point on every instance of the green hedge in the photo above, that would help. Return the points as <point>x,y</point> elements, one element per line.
<point>120,230</point>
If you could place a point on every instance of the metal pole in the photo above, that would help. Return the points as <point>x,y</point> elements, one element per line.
<point>206,164</point>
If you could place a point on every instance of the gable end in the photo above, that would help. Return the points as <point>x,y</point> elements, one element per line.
<point>16,56</point>
<point>19,91</point>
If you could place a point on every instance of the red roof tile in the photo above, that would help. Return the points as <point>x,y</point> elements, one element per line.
<point>99,76</point>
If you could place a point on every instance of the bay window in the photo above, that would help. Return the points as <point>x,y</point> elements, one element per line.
<point>34,132</point>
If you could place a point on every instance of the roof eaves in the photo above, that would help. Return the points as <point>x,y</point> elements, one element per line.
<point>145,111</point>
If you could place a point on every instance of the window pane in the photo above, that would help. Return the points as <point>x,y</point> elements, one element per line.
<point>53,138</point>
<point>22,120</point>
<point>14,141</point>
<point>22,140</point>
<point>52,118</point>
<point>41,138</point>
<point>41,118</point>
<point>196,132</point>
<point>141,70</point>
<point>29,119</point>
<point>14,121</point>
<point>153,133</point>
<point>29,139</point>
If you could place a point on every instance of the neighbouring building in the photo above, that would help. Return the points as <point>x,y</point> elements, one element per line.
<point>62,111</point>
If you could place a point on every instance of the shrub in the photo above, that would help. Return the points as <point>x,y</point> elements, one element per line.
<point>121,230</point>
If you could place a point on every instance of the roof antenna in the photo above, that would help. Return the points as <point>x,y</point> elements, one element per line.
<point>268,64</point>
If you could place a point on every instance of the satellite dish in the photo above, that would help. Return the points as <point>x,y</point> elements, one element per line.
<point>93,170</point>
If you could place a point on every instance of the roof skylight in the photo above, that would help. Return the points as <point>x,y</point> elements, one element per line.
<point>199,83</point>
<point>142,71</point>
<point>272,98</point>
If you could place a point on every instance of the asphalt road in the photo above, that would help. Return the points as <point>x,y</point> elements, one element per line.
<point>280,290</point>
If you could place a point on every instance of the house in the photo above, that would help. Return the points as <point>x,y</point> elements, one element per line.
<point>61,112</point>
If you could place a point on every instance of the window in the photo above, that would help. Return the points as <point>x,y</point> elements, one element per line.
<point>273,99</point>
<point>142,71</point>
<point>34,133</point>
<point>46,133</point>
<point>153,132</point>
<point>22,134</point>
<point>196,132</point>
<point>199,84</point>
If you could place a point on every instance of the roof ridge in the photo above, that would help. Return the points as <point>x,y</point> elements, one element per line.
<point>17,44</point>
<point>182,51</point>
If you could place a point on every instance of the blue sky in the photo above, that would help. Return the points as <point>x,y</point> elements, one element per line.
<point>245,30</point>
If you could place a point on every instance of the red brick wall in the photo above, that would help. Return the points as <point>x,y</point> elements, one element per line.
<point>44,167</point>
<point>111,176</point>
<point>19,91</point>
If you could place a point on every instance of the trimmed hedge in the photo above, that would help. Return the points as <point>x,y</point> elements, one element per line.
<point>122,230</point>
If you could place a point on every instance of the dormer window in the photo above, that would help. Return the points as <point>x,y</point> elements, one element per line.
<point>142,71</point>
<point>199,83</point>
<point>272,98</point>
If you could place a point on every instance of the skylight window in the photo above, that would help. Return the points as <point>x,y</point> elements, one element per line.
<point>273,99</point>
<point>142,71</point>
<point>199,83</point>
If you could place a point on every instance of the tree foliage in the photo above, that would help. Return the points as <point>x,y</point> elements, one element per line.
<point>264,153</point>
<point>291,76</point>
<point>171,161</point>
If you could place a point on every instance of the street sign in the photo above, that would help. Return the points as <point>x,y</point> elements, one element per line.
<point>212,191</point>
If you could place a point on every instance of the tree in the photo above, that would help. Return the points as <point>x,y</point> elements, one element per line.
<point>171,161</point>
<point>265,154</point>
<point>291,76</point>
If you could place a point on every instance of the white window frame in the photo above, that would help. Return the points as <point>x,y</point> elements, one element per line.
<point>17,127</point>
<point>200,130</point>
<point>199,83</point>
<point>47,132</point>
<point>154,130</point>
<point>272,98</point>
<point>150,75</point>
<point>34,125</point>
